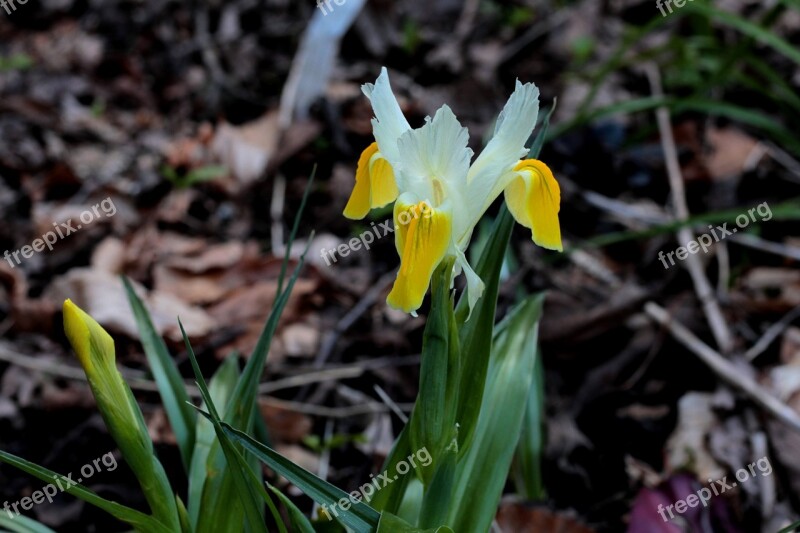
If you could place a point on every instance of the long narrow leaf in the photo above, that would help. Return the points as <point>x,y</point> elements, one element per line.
<point>482,472</point>
<point>250,500</point>
<point>137,519</point>
<point>182,418</point>
<point>360,517</point>
<point>22,524</point>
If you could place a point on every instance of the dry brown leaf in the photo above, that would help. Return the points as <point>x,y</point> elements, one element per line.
<point>519,518</point>
<point>285,425</point>
<point>102,296</point>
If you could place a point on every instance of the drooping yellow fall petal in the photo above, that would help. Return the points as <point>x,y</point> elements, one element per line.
<point>375,184</point>
<point>359,203</point>
<point>534,199</point>
<point>422,236</point>
<point>383,186</point>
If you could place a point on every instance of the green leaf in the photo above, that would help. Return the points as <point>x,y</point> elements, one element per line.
<point>22,524</point>
<point>762,35</point>
<point>182,418</point>
<point>791,529</point>
<point>476,333</point>
<point>390,498</point>
<point>392,524</point>
<point>438,496</point>
<point>527,467</point>
<point>241,474</point>
<point>219,492</point>
<point>299,521</point>
<point>433,420</point>
<point>359,517</point>
<point>140,521</point>
<point>482,472</point>
<point>221,388</point>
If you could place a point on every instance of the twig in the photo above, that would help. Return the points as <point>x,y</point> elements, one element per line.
<point>693,264</point>
<point>390,403</point>
<point>350,318</point>
<point>724,368</point>
<point>771,334</point>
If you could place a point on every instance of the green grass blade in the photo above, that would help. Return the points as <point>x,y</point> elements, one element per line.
<point>748,28</point>
<point>299,521</point>
<point>221,387</point>
<point>139,520</point>
<point>390,498</point>
<point>482,472</point>
<point>296,225</point>
<point>182,417</point>
<point>243,477</point>
<point>527,467</point>
<point>360,517</point>
<point>393,524</point>
<point>22,524</point>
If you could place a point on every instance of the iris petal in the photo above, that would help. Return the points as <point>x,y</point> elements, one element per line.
<point>534,198</point>
<point>422,237</point>
<point>375,184</point>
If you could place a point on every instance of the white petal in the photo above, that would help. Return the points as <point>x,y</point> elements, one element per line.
<point>513,129</point>
<point>389,123</point>
<point>438,149</point>
<point>475,284</point>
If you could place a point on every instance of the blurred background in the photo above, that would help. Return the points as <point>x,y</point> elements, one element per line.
<point>201,123</point>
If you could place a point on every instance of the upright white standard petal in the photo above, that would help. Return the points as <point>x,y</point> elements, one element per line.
<point>491,171</point>
<point>436,160</point>
<point>389,123</point>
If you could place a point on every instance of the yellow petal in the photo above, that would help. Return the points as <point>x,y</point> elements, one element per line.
<point>534,199</point>
<point>375,184</point>
<point>422,236</point>
<point>383,187</point>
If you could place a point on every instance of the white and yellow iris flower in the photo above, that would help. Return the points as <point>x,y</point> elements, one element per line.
<point>439,197</point>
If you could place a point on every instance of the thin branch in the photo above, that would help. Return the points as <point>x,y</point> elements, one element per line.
<point>724,368</point>
<point>693,264</point>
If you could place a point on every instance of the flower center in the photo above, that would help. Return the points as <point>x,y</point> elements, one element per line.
<point>438,192</point>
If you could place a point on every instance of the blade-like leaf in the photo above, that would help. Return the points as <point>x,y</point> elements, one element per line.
<point>482,472</point>
<point>390,498</point>
<point>393,524</point>
<point>299,521</point>
<point>137,519</point>
<point>221,387</point>
<point>182,418</point>
<point>360,516</point>
<point>476,333</point>
<point>219,494</point>
<point>22,524</point>
<point>240,472</point>
<point>527,458</point>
